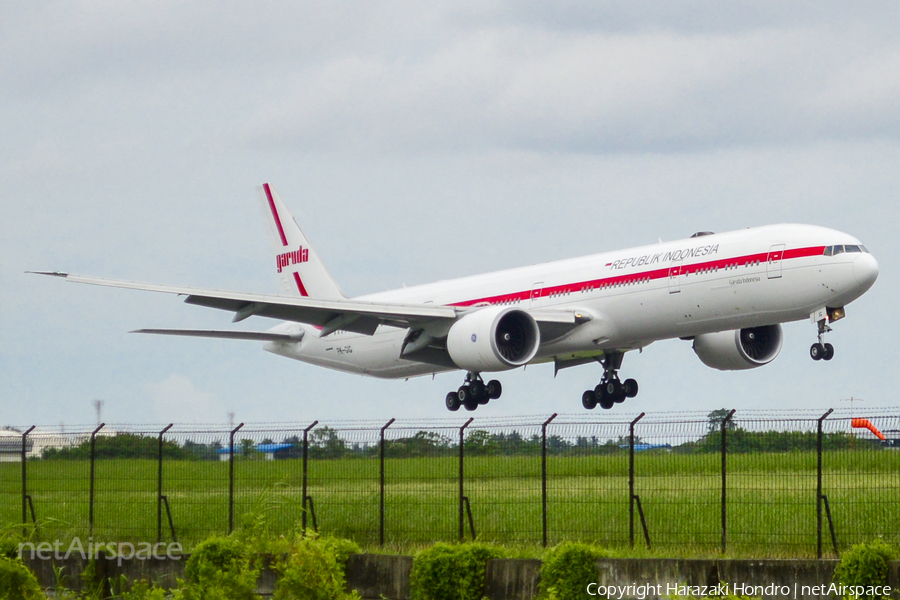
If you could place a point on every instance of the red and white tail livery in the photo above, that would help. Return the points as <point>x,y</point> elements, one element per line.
<point>298,265</point>
<point>727,293</point>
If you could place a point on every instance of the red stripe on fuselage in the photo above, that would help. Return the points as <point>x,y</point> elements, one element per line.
<point>275,215</point>
<point>644,276</point>
<point>300,286</point>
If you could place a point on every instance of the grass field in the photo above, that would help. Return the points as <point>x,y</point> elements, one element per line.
<point>771,501</point>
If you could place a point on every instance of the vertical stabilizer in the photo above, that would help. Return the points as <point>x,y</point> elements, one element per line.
<point>301,271</point>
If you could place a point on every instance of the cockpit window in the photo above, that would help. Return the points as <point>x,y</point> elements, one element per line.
<point>835,250</point>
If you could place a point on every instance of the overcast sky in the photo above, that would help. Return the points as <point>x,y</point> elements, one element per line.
<point>415,142</point>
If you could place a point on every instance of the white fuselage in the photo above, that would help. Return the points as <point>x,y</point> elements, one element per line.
<point>748,278</point>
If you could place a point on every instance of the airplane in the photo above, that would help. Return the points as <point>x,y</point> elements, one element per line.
<point>727,293</point>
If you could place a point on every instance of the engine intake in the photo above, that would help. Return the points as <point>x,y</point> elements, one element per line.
<point>740,348</point>
<point>495,338</point>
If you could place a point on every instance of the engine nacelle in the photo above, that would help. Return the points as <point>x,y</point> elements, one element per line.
<point>740,348</point>
<point>496,338</point>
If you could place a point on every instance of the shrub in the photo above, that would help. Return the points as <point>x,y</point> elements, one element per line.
<point>451,572</point>
<point>142,590</point>
<point>9,545</point>
<point>568,569</point>
<point>865,565</point>
<point>314,569</point>
<point>218,568</point>
<point>17,582</point>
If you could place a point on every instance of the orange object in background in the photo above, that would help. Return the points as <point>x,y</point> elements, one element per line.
<point>865,424</point>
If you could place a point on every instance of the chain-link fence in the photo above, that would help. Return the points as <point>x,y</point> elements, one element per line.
<point>770,483</point>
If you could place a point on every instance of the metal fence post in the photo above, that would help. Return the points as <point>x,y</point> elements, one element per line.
<point>462,494</point>
<point>306,469</point>
<point>631,478</point>
<point>819,484</point>
<point>25,481</point>
<point>231,478</point>
<point>381,506</point>
<point>544,478</point>
<point>159,481</point>
<point>724,471</point>
<point>91,493</point>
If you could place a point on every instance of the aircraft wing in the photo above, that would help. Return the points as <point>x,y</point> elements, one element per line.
<point>331,315</point>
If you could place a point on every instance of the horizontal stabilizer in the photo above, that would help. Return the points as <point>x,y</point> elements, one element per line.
<point>259,336</point>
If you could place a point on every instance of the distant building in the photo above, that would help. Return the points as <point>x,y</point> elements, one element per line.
<point>273,451</point>
<point>11,446</point>
<point>269,451</point>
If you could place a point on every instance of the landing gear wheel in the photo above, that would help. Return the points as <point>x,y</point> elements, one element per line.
<point>470,404</point>
<point>484,399</point>
<point>605,401</point>
<point>817,351</point>
<point>453,402</point>
<point>589,400</point>
<point>464,394</point>
<point>829,352</point>
<point>494,389</point>
<point>630,387</point>
<point>477,389</point>
<point>611,388</point>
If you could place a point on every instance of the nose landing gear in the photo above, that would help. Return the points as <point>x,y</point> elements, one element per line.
<point>473,393</point>
<point>821,350</point>
<point>611,390</point>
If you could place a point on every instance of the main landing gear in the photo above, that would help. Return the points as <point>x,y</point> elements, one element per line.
<point>610,391</point>
<point>820,350</point>
<point>473,393</point>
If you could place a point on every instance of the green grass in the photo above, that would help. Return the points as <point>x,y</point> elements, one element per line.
<point>771,499</point>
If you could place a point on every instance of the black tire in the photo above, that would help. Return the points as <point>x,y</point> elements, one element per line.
<point>452,401</point>
<point>829,352</point>
<point>817,351</point>
<point>464,394</point>
<point>630,387</point>
<point>589,399</point>
<point>611,388</point>
<point>494,389</point>
<point>478,390</point>
<point>484,399</point>
<point>470,404</point>
<point>605,401</point>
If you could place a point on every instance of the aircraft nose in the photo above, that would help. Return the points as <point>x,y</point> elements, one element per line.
<point>865,269</point>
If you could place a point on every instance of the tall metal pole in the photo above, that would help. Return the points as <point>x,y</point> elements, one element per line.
<point>91,497</point>
<point>381,506</point>
<point>544,478</point>
<point>159,494</point>
<point>306,469</point>
<point>461,479</point>
<point>819,484</point>
<point>231,478</point>
<point>724,471</point>
<point>25,481</point>
<point>631,478</point>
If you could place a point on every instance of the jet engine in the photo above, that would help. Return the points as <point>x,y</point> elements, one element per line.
<point>495,338</point>
<point>739,349</point>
